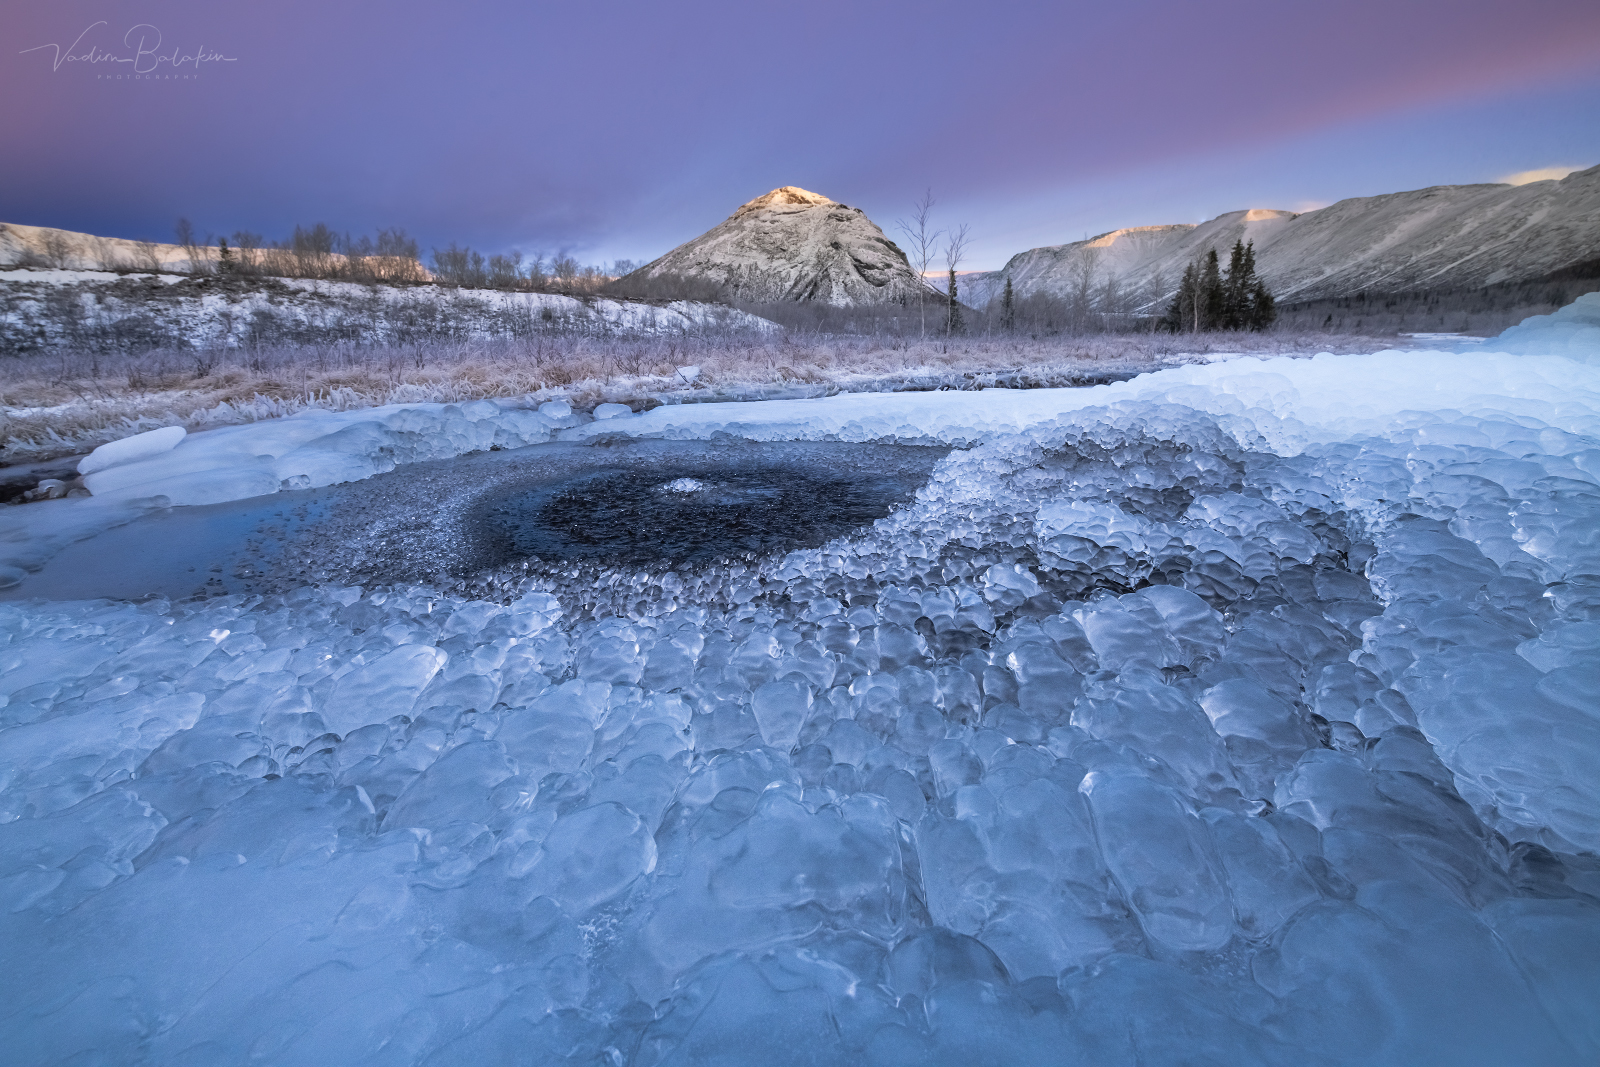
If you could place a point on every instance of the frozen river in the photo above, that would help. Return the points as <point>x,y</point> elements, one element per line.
<point>1238,714</point>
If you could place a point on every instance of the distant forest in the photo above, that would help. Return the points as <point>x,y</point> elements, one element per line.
<point>1484,309</point>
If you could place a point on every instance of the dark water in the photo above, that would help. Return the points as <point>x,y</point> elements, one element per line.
<point>660,504</point>
<point>694,507</point>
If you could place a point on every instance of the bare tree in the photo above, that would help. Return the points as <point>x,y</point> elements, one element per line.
<point>1081,275</point>
<point>954,249</point>
<point>920,243</point>
<point>1154,294</point>
<point>105,253</point>
<point>505,272</point>
<point>565,267</point>
<point>535,271</point>
<point>184,231</point>
<point>249,246</point>
<point>146,256</point>
<point>57,248</point>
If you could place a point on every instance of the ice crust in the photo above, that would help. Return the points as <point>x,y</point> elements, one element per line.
<point>164,468</point>
<point>1240,714</point>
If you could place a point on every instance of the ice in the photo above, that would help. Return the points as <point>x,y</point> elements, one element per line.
<point>1237,714</point>
<point>313,448</point>
<point>130,449</point>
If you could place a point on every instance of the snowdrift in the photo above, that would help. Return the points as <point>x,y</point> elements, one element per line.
<point>1236,714</point>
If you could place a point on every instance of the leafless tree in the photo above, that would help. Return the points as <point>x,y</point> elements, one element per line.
<point>1081,276</point>
<point>535,271</point>
<point>56,247</point>
<point>184,231</point>
<point>505,272</point>
<point>146,256</point>
<point>1155,293</point>
<point>105,253</point>
<point>920,243</point>
<point>249,246</point>
<point>954,249</point>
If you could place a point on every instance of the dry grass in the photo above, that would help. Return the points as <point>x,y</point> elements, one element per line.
<point>62,403</point>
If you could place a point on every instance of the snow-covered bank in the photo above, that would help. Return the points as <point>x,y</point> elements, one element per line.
<point>1240,714</point>
<point>86,309</point>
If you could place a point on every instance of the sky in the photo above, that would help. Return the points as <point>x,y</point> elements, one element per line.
<point>619,130</point>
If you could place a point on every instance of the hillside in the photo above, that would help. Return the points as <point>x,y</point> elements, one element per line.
<point>788,245</point>
<point>1444,237</point>
<point>44,309</point>
<point>45,246</point>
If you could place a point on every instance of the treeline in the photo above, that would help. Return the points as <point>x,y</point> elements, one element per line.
<point>310,252</point>
<point>1483,310</point>
<point>1093,302</point>
<point>392,256</point>
<point>1210,299</point>
<point>470,269</point>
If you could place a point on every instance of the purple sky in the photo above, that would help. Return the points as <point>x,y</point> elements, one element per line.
<point>621,129</point>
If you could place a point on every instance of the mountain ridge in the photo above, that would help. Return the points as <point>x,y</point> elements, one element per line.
<point>1442,236</point>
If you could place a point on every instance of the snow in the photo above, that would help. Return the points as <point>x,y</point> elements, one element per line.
<point>213,313</point>
<point>1241,713</point>
<point>1450,236</point>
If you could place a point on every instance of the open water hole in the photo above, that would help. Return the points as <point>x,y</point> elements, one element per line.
<point>659,505</point>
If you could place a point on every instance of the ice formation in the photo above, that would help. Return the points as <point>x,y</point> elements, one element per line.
<point>1240,714</point>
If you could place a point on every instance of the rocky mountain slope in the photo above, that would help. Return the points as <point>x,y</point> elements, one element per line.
<point>787,245</point>
<point>1444,237</point>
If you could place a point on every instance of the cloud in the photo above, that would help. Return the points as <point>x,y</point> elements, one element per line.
<point>1543,174</point>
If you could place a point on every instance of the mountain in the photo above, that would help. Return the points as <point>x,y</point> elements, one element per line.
<point>1444,237</point>
<point>789,245</point>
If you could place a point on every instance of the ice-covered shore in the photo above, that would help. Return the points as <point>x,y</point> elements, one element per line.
<point>1237,714</point>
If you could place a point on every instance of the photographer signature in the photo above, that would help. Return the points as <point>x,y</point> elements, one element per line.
<point>147,56</point>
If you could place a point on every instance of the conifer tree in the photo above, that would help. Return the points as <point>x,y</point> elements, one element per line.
<point>1008,308</point>
<point>1212,298</point>
<point>1209,300</point>
<point>1263,308</point>
<point>225,261</point>
<point>1237,288</point>
<point>955,324</point>
<point>1180,313</point>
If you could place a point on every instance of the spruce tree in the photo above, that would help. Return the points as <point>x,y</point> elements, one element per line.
<point>1263,308</point>
<point>955,323</point>
<point>1212,298</point>
<point>1008,308</point>
<point>1180,313</point>
<point>226,264</point>
<point>1237,288</point>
